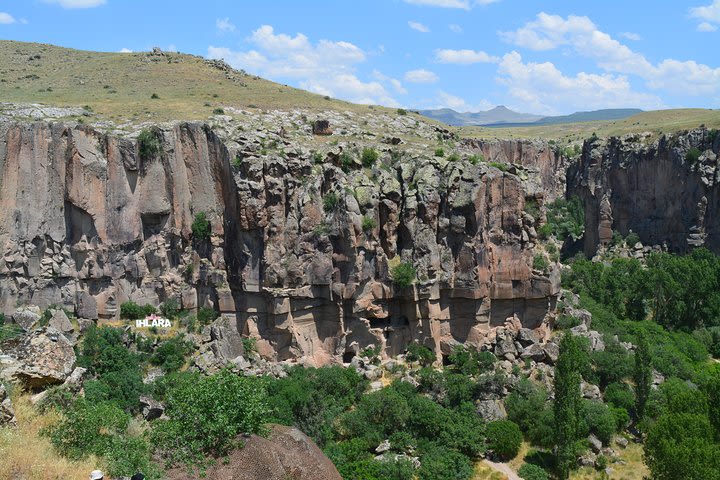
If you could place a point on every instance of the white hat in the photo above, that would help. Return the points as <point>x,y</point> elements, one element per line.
<point>96,475</point>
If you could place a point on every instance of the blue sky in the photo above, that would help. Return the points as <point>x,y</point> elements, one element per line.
<point>549,57</point>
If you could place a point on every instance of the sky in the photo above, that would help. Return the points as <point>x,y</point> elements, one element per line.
<point>546,57</point>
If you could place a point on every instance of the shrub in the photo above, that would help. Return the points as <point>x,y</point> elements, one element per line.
<point>330,201</point>
<point>249,345</point>
<point>170,308</point>
<point>201,227</point>
<point>420,353</point>
<point>693,155</point>
<point>206,315</point>
<point>599,420</point>
<point>369,157</point>
<point>206,414</point>
<point>528,471</point>
<point>403,274</point>
<point>504,438</point>
<point>439,152</point>
<point>148,144</point>
<point>368,223</point>
<point>132,311</point>
<point>87,429</point>
<point>620,395</point>
<point>540,262</point>
<point>154,96</point>
<point>454,157</point>
<point>632,239</point>
<point>470,362</point>
<point>439,463</point>
<point>170,354</point>
<point>219,111</point>
<point>475,159</point>
<point>564,218</point>
<point>402,111</point>
<point>503,167</point>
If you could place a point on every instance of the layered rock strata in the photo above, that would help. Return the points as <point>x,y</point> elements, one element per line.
<point>303,241</point>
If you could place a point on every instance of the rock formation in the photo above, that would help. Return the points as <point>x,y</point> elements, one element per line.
<point>303,238</point>
<point>667,192</point>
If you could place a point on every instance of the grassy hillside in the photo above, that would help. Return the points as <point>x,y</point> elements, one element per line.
<point>657,122</point>
<point>122,86</point>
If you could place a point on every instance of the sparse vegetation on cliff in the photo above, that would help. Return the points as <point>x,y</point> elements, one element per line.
<point>403,274</point>
<point>201,228</point>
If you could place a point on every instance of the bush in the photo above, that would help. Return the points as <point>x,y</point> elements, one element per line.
<point>402,111</point>
<point>170,354</point>
<point>403,274</point>
<point>219,111</point>
<point>206,315</point>
<point>132,311</point>
<point>439,463</point>
<point>148,144</point>
<point>454,157</point>
<point>504,438</point>
<point>693,155</point>
<point>154,96</point>
<point>206,414</point>
<point>369,157</point>
<point>528,471</point>
<point>620,395</point>
<point>599,420</point>
<point>420,353</point>
<point>632,239</point>
<point>87,429</point>
<point>540,262</point>
<point>201,229</point>
<point>471,362</point>
<point>330,201</point>
<point>170,308</point>
<point>117,369</point>
<point>439,152</point>
<point>368,223</point>
<point>565,218</point>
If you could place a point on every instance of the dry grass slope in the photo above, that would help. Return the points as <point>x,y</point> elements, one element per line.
<point>26,455</point>
<point>121,86</point>
<point>657,122</point>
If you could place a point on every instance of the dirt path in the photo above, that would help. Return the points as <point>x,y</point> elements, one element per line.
<point>504,469</point>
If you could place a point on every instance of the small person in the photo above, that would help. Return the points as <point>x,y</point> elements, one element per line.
<point>97,475</point>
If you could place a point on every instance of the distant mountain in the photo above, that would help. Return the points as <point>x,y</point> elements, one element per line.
<point>498,115</point>
<point>504,117</point>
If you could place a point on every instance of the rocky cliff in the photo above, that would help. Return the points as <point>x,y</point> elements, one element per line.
<point>667,192</point>
<point>304,236</point>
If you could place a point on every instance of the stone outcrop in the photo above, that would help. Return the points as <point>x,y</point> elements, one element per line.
<point>667,192</point>
<point>45,357</point>
<point>7,413</point>
<point>303,243</point>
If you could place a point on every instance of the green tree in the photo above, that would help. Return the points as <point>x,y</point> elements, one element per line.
<point>504,438</point>
<point>568,404</point>
<point>642,374</point>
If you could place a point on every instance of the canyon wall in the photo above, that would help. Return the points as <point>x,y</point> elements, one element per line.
<point>302,245</point>
<point>667,192</point>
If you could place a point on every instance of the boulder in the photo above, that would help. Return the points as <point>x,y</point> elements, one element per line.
<point>590,391</point>
<point>527,337</point>
<point>534,352</point>
<point>595,443</point>
<point>383,447</point>
<point>60,322</point>
<point>621,441</point>
<point>27,317</point>
<point>491,410</point>
<point>46,357</point>
<point>552,352</point>
<point>321,127</point>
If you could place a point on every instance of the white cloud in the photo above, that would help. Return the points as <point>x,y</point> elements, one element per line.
<point>446,100</point>
<point>394,82</point>
<point>709,13</point>
<point>581,34</point>
<point>418,26</point>
<point>541,87</point>
<point>224,25</point>
<point>631,36</point>
<point>125,50</point>
<point>455,28</point>
<point>464,57</point>
<point>421,76</point>
<point>78,3</point>
<point>706,27</point>
<point>326,67</point>
<point>6,19</point>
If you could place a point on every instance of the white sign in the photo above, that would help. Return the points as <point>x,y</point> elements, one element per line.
<point>153,321</point>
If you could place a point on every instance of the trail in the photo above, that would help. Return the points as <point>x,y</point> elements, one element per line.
<point>504,469</point>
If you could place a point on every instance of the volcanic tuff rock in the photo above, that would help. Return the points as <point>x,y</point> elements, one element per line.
<point>668,192</point>
<point>304,238</point>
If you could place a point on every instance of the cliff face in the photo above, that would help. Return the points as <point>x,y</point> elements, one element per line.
<point>302,243</point>
<point>657,191</point>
